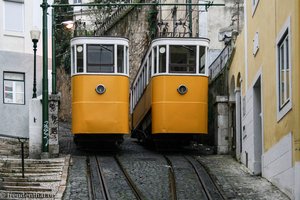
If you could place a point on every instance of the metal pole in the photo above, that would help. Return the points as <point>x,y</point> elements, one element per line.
<point>34,67</point>
<point>53,53</point>
<point>23,170</point>
<point>45,125</point>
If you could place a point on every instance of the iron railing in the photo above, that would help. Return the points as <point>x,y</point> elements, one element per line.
<point>22,140</point>
<point>220,62</point>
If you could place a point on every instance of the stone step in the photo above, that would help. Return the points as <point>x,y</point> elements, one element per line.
<point>31,165</point>
<point>32,179</point>
<point>21,184</point>
<point>40,174</point>
<point>24,189</point>
<point>34,161</point>
<point>30,170</point>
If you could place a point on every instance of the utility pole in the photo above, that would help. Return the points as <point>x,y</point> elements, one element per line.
<point>45,125</point>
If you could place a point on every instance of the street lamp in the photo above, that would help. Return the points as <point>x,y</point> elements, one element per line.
<point>68,24</point>
<point>35,36</point>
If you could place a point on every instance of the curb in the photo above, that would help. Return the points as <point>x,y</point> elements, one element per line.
<point>63,182</point>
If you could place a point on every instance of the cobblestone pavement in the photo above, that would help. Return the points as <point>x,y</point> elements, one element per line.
<point>236,182</point>
<point>230,175</point>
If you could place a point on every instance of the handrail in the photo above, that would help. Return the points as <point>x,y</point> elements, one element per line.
<point>21,140</point>
<point>219,63</point>
<point>14,137</point>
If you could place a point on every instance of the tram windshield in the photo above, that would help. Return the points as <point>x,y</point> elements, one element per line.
<point>182,59</point>
<point>100,58</point>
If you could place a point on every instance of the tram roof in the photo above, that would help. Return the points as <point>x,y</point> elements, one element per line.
<point>181,41</point>
<point>100,40</point>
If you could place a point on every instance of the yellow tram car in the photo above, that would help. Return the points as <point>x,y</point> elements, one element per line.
<point>169,95</point>
<point>100,88</point>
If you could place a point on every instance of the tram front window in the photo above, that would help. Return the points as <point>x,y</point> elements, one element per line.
<point>100,58</point>
<point>182,59</point>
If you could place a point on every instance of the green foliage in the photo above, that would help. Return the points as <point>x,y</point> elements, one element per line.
<point>152,20</point>
<point>62,35</point>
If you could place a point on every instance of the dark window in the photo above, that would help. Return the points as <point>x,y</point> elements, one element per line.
<point>202,60</point>
<point>79,49</point>
<point>100,58</point>
<point>120,63</point>
<point>182,59</point>
<point>162,59</point>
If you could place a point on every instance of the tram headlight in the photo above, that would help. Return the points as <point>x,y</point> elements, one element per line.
<point>182,89</point>
<point>100,89</point>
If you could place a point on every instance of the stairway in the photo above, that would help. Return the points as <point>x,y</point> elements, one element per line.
<point>11,147</point>
<point>45,178</point>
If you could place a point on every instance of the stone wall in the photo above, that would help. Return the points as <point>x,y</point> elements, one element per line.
<point>134,26</point>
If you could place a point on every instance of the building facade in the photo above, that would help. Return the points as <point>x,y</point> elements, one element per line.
<point>264,84</point>
<point>16,63</point>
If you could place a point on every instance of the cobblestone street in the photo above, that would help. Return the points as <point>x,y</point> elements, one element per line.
<point>149,170</point>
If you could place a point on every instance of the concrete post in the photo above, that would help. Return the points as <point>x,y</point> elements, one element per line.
<point>35,128</point>
<point>222,142</point>
<point>53,125</point>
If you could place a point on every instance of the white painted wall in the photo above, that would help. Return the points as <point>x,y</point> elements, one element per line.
<point>277,166</point>
<point>21,41</point>
<point>35,127</point>
<point>248,134</point>
<point>297,181</point>
<point>16,55</point>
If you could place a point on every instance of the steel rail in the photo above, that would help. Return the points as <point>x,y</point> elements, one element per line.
<point>100,175</point>
<point>204,186</point>
<point>103,183</point>
<point>220,192</point>
<point>138,194</point>
<point>172,179</point>
<point>200,179</point>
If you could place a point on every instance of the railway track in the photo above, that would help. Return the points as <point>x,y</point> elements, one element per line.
<point>106,185</point>
<point>211,190</point>
<point>172,179</point>
<point>178,167</point>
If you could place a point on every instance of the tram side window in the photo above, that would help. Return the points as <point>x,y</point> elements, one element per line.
<point>100,58</point>
<point>126,60</point>
<point>202,60</point>
<point>120,59</point>
<point>162,59</point>
<point>79,51</point>
<point>149,66</point>
<point>155,59</point>
<point>73,59</point>
<point>182,59</point>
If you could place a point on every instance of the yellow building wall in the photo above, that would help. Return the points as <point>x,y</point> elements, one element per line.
<point>268,20</point>
<point>237,67</point>
<point>296,79</point>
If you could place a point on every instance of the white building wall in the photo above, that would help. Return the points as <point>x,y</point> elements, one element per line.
<point>16,55</point>
<point>247,156</point>
<point>277,165</point>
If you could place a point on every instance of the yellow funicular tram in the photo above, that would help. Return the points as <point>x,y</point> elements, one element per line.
<point>169,95</point>
<point>100,88</point>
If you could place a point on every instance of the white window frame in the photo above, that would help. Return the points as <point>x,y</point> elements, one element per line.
<point>285,107</point>
<point>254,4</point>
<point>19,33</point>
<point>14,92</point>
